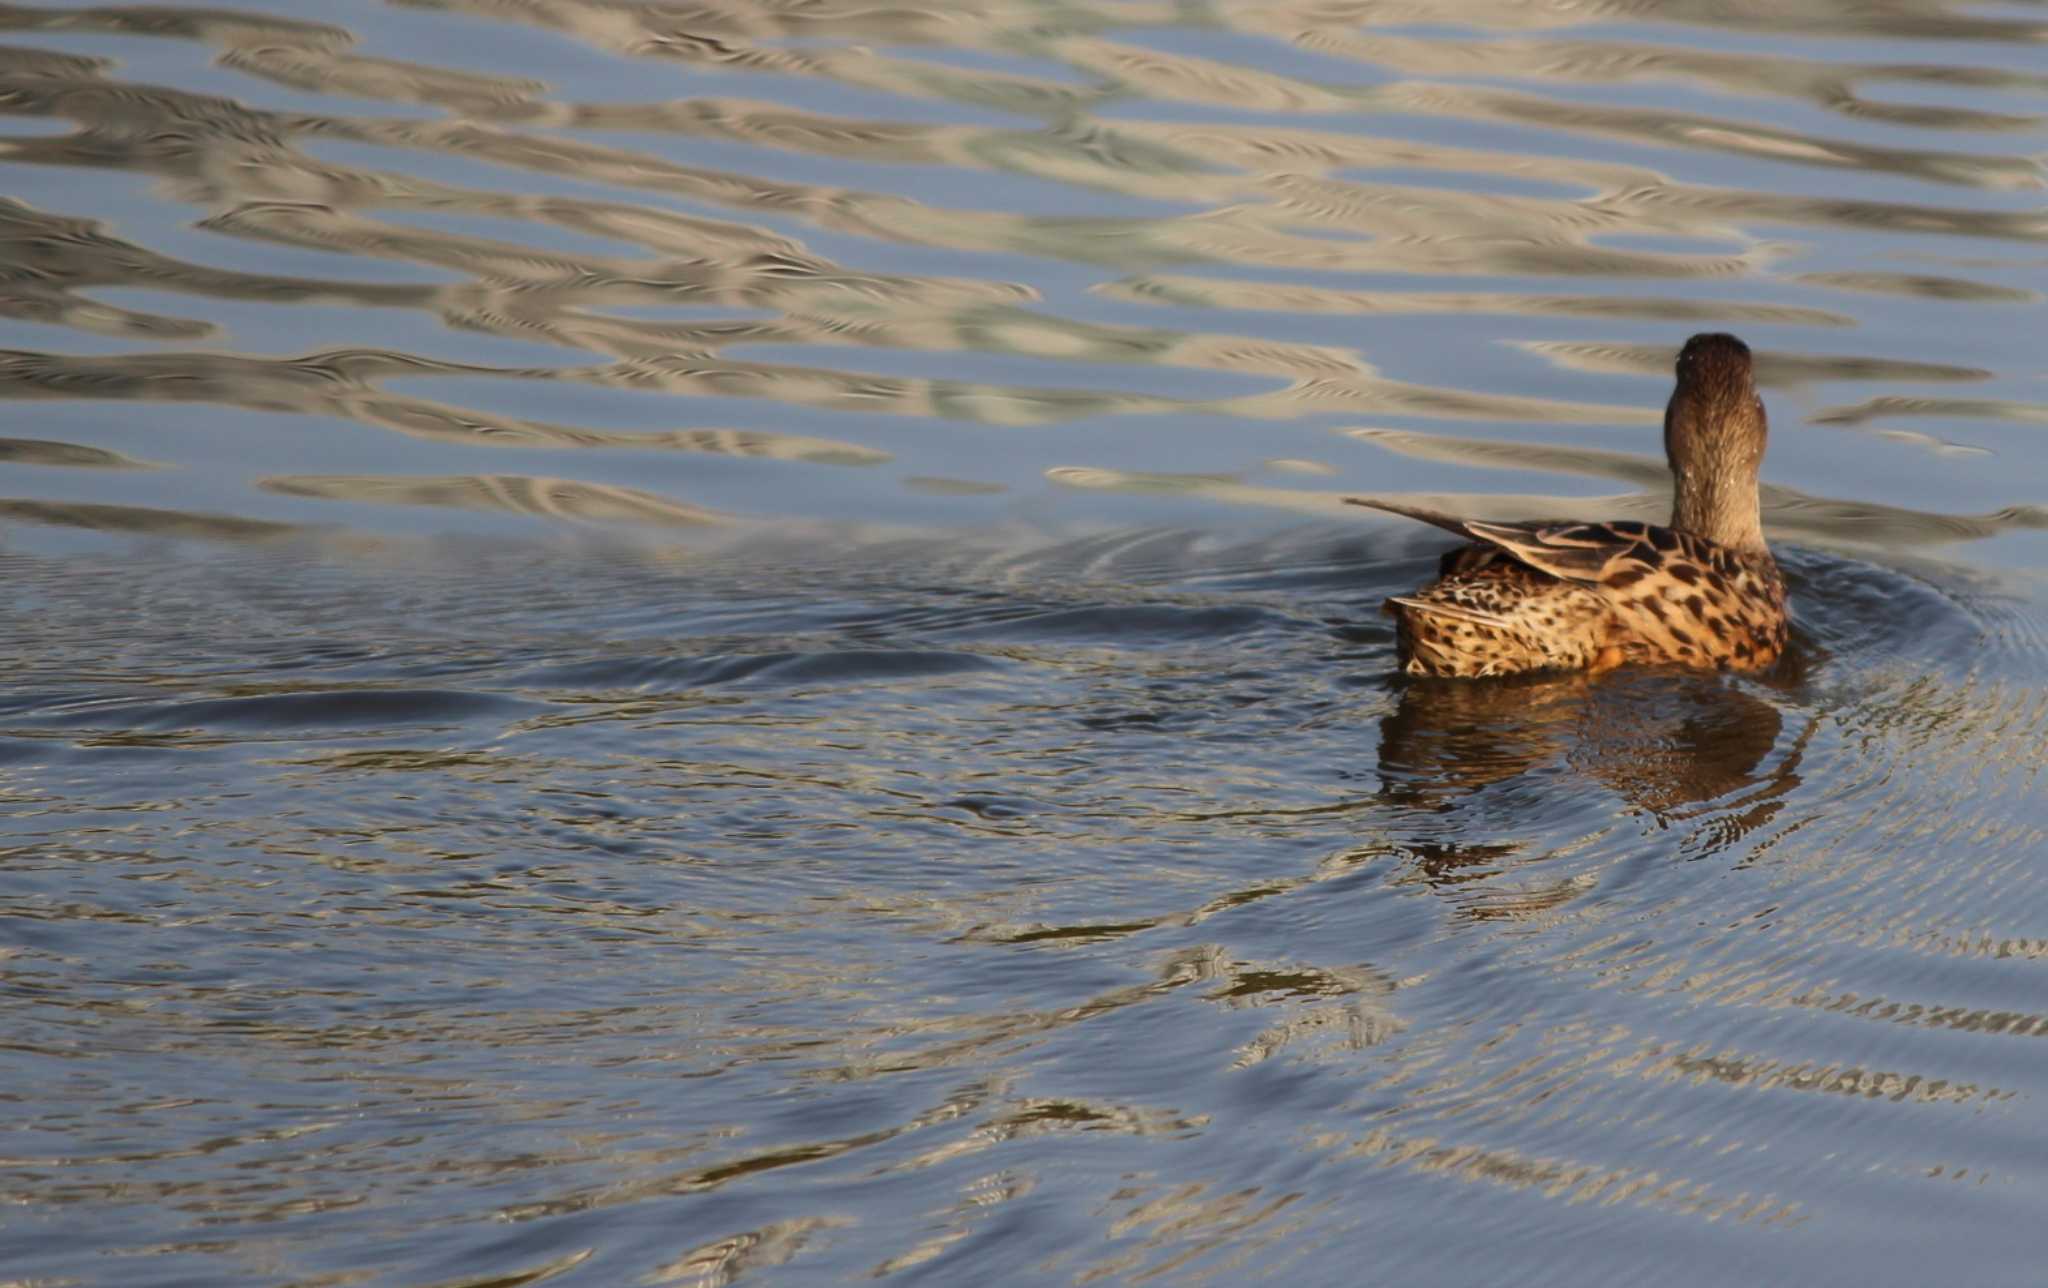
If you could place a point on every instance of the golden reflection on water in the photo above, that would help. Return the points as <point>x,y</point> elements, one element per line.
<point>556,498</point>
<point>1273,215</point>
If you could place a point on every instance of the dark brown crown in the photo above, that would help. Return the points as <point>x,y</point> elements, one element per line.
<point>1715,420</point>
<point>1717,366</point>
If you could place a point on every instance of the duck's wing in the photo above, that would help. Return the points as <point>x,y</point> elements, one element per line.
<point>1594,553</point>
<point>1604,554</point>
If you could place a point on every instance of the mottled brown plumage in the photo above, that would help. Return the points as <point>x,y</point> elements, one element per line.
<point>1703,592</point>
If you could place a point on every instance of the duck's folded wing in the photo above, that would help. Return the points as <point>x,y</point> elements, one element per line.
<point>1608,554</point>
<point>1583,552</point>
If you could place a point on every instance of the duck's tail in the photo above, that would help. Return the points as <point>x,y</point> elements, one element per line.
<point>1448,522</point>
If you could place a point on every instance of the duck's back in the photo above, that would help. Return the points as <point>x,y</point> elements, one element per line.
<point>1687,600</point>
<point>1530,597</point>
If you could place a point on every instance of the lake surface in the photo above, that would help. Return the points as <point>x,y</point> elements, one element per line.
<point>706,645</point>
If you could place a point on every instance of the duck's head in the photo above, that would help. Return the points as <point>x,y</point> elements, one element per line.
<point>1714,437</point>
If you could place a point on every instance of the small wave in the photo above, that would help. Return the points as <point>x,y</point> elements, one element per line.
<point>281,712</point>
<point>782,669</point>
<point>1128,625</point>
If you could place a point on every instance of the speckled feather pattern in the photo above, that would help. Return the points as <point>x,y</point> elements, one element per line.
<point>1632,593</point>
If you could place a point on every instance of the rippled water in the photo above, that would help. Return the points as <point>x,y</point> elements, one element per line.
<point>706,644</point>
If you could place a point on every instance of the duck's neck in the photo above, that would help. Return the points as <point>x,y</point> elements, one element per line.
<point>1719,506</point>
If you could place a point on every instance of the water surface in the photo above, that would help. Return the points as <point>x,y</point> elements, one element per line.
<point>710,645</point>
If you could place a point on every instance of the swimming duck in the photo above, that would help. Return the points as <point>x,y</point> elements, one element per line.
<point>1703,592</point>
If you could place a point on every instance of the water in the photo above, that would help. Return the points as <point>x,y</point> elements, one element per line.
<point>691,647</point>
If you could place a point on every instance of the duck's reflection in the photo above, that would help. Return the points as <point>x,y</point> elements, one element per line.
<point>1691,751</point>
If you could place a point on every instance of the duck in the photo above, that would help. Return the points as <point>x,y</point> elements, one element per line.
<point>1702,592</point>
